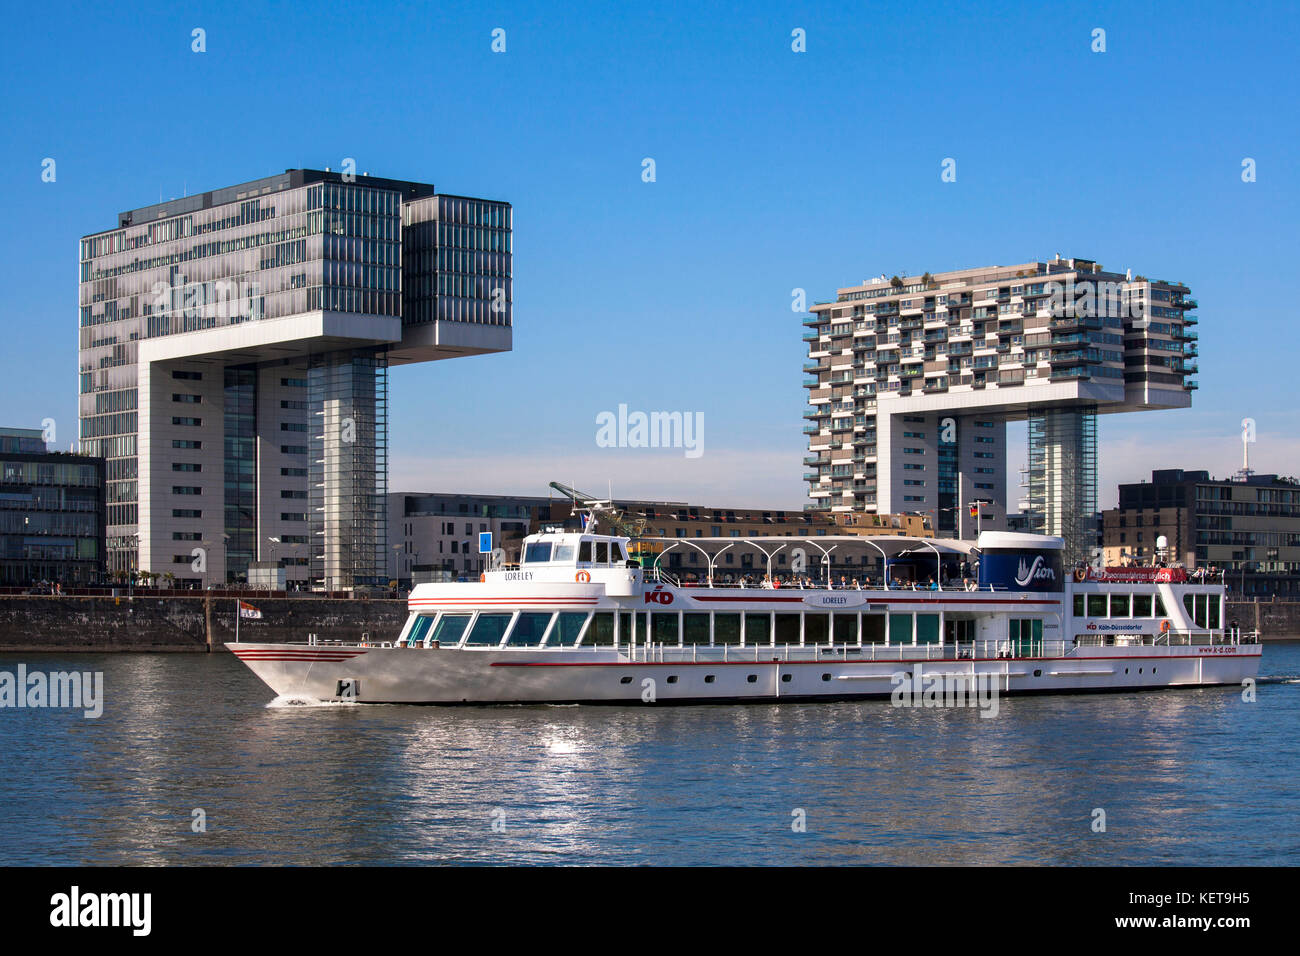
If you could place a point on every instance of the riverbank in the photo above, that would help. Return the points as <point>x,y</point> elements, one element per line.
<point>186,624</point>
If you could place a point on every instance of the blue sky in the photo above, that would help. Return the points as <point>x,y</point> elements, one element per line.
<point>775,170</point>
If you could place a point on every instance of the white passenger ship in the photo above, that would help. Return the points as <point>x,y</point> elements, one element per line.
<point>578,620</point>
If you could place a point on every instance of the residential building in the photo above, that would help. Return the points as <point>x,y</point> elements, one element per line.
<point>912,380</point>
<point>1247,526</point>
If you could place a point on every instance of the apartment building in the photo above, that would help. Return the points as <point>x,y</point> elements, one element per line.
<point>912,379</point>
<point>1247,526</point>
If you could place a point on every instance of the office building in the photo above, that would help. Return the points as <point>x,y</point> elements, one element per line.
<point>51,513</point>
<point>912,380</point>
<point>235,347</point>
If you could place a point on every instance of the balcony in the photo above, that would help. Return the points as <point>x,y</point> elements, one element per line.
<point>811,336</point>
<point>811,429</point>
<point>811,383</point>
<point>1191,384</point>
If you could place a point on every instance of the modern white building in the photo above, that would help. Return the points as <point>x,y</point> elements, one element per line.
<point>234,357</point>
<point>912,380</point>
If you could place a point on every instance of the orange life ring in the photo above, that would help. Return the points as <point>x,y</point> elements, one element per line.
<point>1080,574</point>
<point>1164,627</point>
<point>482,578</point>
<point>583,576</point>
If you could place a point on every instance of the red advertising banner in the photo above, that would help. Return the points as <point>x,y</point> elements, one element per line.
<point>1139,575</point>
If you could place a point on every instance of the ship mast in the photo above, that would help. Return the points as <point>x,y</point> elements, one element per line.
<point>601,510</point>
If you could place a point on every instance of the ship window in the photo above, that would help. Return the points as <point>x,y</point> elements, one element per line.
<point>601,630</point>
<point>664,628</point>
<point>1142,605</point>
<point>625,680</point>
<point>826,677</point>
<point>1078,606</point>
<point>709,678</point>
<point>846,628</point>
<point>530,627</point>
<point>584,552</point>
<point>873,628</point>
<point>672,679</point>
<point>420,629</point>
<point>563,553</point>
<point>567,629</point>
<point>726,629</point>
<point>927,629</point>
<point>787,629</point>
<point>752,678</point>
<point>602,552</point>
<point>488,629</point>
<point>1213,620</point>
<point>695,630</point>
<point>1119,605</point>
<point>1096,605</point>
<point>539,552</point>
<point>450,629</point>
<point>785,678</point>
<point>900,629</point>
<point>1160,607</point>
<point>757,629</point>
<point>816,628</point>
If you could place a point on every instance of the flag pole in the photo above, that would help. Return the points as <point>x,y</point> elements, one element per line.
<point>236,620</point>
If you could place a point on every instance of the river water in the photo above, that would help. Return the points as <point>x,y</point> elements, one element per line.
<point>188,742</point>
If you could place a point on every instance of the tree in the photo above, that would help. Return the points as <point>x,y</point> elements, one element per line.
<point>927,280</point>
<point>896,282</point>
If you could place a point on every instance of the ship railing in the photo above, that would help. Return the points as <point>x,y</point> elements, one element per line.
<point>1171,638</point>
<point>1008,649</point>
<point>758,583</point>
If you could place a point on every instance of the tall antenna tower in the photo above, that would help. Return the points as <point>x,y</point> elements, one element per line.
<point>1247,438</point>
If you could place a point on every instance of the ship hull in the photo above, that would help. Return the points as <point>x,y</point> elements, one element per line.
<point>393,675</point>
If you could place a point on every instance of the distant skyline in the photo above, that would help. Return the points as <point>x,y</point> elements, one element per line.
<point>774,170</point>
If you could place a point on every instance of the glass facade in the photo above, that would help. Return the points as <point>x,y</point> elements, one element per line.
<point>240,498</point>
<point>296,244</point>
<point>1062,477</point>
<point>51,513</point>
<point>348,469</point>
<point>457,261</point>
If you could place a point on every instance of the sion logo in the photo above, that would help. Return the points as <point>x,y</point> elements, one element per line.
<point>659,596</point>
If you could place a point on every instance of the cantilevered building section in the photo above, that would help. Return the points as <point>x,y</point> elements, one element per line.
<point>912,381</point>
<point>234,359</point>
